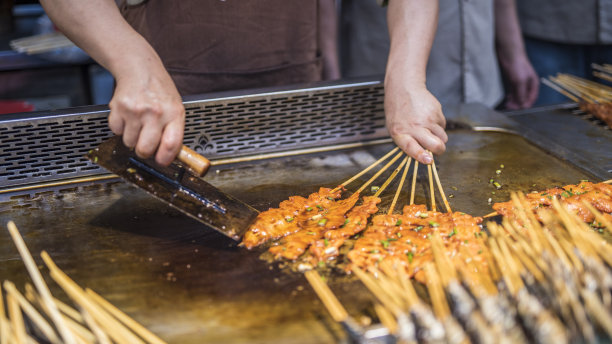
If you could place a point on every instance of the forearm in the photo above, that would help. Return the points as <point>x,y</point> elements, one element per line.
<point>412,27</point>
<point>509,41</point>
<point>328,38</point>
<point>98,28</point>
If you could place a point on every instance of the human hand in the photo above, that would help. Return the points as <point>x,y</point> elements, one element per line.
<point>523,83</point>
<point>147,110</point>
<point>415,121</point>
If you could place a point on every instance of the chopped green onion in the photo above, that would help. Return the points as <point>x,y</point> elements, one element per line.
<point>399,235</point>
<point>346,222</point>
<point>479,251</point>
<point>418,228</point>
<point>423,215</point>
<point>501,166</point>
<point>319,206</point>
<point>309,209</point>
<point>399,222</point>
<point>434,224</point>
<point>497,185</point>
<point>410,256</point>
<point>375,188</point>
<point>321,264</point>
<point>330,198</point>
<point>289,219</point>
<point>491,181</point>
<point>385,243</point>
<point>310,233</point>
<point>564,194</point>
<point>326,242</point>
<point>374,251</point>
<point>498,172</point>
<point>450,235</point>
<point>322,222</point>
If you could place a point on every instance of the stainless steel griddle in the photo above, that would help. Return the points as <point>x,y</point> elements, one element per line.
<point>191,285</point>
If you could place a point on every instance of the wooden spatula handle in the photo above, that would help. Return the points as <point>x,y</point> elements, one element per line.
<point>197,163</point>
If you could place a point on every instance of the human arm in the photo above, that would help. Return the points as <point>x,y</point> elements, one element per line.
<point>523,82</point>
<point>146,107</point>
<point>328,38</point>
<point>414,116</point>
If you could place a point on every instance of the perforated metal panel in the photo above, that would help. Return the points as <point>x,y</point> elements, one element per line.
<point>49,148</point>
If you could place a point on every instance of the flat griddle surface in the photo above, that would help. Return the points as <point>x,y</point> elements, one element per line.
<point>189,284</point>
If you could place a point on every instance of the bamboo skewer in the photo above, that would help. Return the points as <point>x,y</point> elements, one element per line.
<point>330,301</point>
<point>381,171</point>
<point>100,336</point>
<point>364,171</point>
<point>41,43</point>
<point>431,189</point>
<point>386,318</point>
<point>559,89</point>
<point>16,319</point>
<point>379,292</point>
<point>124,318</point>
<point>72,318</point>
<point>436,293</point>
<point>414,178</point>
<point>391,178</point>
<point>40,284</point>
<point>64,308</point>
<point>32,313</point>
<point>109,324</point>
<point>399,187</point>
<point>440,189</point>
<point>4,328</point>
<point>491,214</point>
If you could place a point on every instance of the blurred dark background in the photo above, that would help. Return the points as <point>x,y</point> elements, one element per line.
<point>62,78</point>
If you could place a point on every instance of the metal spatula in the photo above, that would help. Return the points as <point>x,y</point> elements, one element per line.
<point>179,185</point>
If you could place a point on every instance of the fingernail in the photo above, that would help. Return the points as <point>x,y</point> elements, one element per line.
<point>426,158</point>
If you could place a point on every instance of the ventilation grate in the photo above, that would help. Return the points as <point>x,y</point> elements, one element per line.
<point>44,149</point>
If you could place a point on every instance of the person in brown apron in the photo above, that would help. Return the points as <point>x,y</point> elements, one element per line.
<point>244,44</point>
<point>212,45</point>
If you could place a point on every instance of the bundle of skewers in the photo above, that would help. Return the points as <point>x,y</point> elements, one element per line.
<point>547,279</point>
<point>593,97</point>
<point>38,316</point>
<point>329,227</point>
<point>326,228</point>
<point>41,43</point>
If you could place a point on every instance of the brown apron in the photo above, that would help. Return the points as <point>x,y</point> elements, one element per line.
<point>216,45</point>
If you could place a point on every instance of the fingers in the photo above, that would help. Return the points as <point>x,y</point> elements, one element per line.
<point>411,147</point>
<point>533,90</point>
<point>115,122</point>
<point>439,132</point>
<point>148,140</point>
<point>417,144</point>
<point>149,126</point>
<point>171,142</point>
<point>430,141</point>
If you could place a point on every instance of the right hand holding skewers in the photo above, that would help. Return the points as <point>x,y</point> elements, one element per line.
<point>414,116</point>
<point>415,121</point>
